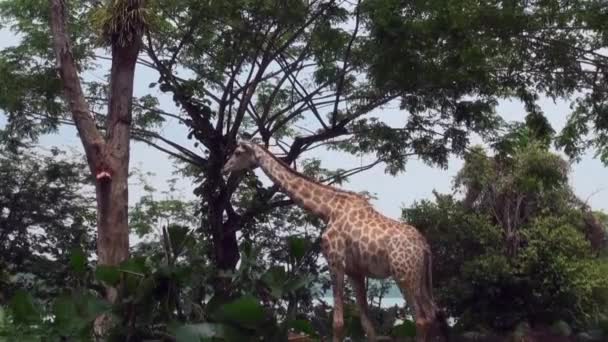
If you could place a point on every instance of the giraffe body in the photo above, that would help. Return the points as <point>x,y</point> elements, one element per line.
<point>371,244</point>
<point>359,241</point>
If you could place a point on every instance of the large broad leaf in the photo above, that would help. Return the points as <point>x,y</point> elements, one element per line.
<point>302,326</point>
<point>275,278</point>
<point>297,247</point>
<point>134,270</point>
<point>196,332</point>
<point>23,308</point>
<point>215,303</point>
<point>90,306</point>
<point>209,332</point>
<point>296,283</point>
<point>179,236</point>
<point>245,312</point>
<point>406,329</point>
<point>146,289</point>
<point>67,320</point>
<point>78,260</point>
<point>136,266</point>
<point>108,274</point>
<point>75,313</point>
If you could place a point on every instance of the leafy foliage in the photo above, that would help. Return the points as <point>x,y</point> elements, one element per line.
<point>302,75</point>
<point>154,292</point>
<point>514,248</point>
<point>45,212</point>
<point>441,50</point>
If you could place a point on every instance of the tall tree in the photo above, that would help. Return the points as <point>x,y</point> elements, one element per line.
<point>516,247</point>
<point>301,75</point>
<point>107,155</point>
<point>45,214</point>
<point>293,74</point>
<point>499,49</point>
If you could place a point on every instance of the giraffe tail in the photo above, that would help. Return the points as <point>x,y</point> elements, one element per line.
<point>437,316</point>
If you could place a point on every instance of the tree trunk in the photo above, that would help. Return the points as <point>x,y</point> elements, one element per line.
<point>594,230</point>
<point>225,244</point>
<point>112,221</point>
<point>112,192</point>
<point>107,157</point>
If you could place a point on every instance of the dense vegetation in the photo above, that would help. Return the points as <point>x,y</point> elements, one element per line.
<point>513,245</point>
<point>518,246</point>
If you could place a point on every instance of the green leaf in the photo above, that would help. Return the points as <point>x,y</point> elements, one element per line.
<point>75,313</point>
<point>196,332</point>
<point>214,303</point>
<point>146,289</point>
<point>136,266</point>
<point>78,260</point>
<point>108,274</point>
<point>135,271</point>
<point>178,235</point>
<point>91,306</point>
<point>297,283</point>
<point>67,321</point>
<point>210,332</point>
<point>275,278</point>
<point>245,311</point>
<point>23,308</point>
<point>406,329</point>
<point>297,247</point>
<point>303,326</point>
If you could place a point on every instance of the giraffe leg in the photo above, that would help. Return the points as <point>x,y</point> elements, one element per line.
<point>438,329</point>
<point>358,283</point>
<point>335,261</point>
<point>414,299</point>
<point>337,277</point>
<point>423,321</point>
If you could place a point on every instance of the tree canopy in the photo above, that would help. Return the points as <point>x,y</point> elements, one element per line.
<point>301,77</point>
<point>516,246</point>
<point>45,217</point>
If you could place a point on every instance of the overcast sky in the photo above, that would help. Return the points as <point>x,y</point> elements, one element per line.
<point>393,193</point>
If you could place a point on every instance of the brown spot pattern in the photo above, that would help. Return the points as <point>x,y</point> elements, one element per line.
<point>358,239</point>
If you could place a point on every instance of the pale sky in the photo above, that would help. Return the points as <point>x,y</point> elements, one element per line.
<point>393,193</point>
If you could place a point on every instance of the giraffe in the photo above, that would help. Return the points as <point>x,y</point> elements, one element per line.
<point>358,242</point>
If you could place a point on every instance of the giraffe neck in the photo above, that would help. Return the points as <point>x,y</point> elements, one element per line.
<point>307,193</point>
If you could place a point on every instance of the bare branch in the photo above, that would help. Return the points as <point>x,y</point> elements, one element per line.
<point>351,172</point>
<point>300,31</point>
<point>303,100</point>
<point>92,140</point>
<point>204,131</point>
<point>306,97</point>
<point>228,96</point>
<point>193,157</point>
<point>162,149</point>
<point>288,69</point>
<point>340,86</point>
<point>185,39</point>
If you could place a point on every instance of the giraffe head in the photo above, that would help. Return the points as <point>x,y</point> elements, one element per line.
<point>242,158</point>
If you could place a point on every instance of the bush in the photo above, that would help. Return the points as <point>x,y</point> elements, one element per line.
<point>514,249</point>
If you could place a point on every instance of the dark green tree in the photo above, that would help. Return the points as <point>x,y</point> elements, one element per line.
<point>515,246</point>
<point>499,49</point>
<point>302,75</point>
<point>293,74</point>
<point>56,39</point>
<point>46,215</point>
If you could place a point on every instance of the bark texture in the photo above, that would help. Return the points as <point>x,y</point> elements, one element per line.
<point>107,156</point>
